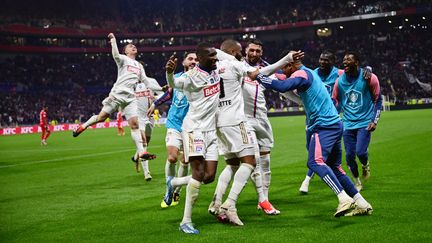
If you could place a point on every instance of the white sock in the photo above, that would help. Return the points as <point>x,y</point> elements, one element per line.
<point>257,179</point>
<point>240,179</point>
<point>360,201</point>
<point>307,179</point>
<point>136,137</point>
<point>182,169</point>
<point>223,182</point>
<point>357,180</point>
<point>266,173</point>
<point>91,121</point>
<point>182,172</point>
<point>145,166</point>
<point>192,191</point>
<point>343,196</point>
<point>169,169</point>
<point>181,181</point>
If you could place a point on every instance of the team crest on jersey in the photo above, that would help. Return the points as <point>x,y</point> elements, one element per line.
<point>354,99</point>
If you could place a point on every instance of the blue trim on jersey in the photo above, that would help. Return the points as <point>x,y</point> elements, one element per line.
<point>178,110</point>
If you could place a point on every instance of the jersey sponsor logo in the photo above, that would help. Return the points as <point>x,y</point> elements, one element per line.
<point>354,99</point>
<point>134,69</point>
<point>145,93</point>
<point>199,144</point>
<point>211,90</point>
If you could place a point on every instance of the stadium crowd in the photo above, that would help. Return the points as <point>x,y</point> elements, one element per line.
<point>134,16</point>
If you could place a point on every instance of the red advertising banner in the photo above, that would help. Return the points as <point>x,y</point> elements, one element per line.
<point>57,128</point>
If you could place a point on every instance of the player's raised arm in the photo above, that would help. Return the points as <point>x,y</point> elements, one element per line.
<point>299,80</point>
<point>114,49</point>
<point>170,68</point>
<point>290,57</point>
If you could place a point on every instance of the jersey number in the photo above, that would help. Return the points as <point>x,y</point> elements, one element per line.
<point>222,90</point>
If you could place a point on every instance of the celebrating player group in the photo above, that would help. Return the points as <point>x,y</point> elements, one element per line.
<point>219,109</point>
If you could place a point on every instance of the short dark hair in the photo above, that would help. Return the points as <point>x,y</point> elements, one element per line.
<point>124,47</point>
<point>187,53</point>
<point>330,54</point>
<point>255,42</point>
<point>228,44</point>
<point>355,54</point>
<point>201,48</point>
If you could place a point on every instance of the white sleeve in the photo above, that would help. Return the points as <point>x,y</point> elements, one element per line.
<point>118,58</point>
<point>153,85</point>
<point>223,55</point>
<point>242,69</point>
<point>277,65</point>
<point>178,83</point>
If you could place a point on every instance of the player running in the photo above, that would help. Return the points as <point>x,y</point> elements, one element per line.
<point>360,100</point>
<point>176,114</point>
<point>43,123</point>
<point>122,95</point>
<point>325,133</point>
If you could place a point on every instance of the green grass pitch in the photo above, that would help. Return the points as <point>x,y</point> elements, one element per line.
<point>85,189</point>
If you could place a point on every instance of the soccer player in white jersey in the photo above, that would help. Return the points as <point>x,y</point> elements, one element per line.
<point>236,142</point>
<point>122,95</point>
<point>174,142</point>
<point>145,98</point>
<point>201,87</point>
<point>256,113</point>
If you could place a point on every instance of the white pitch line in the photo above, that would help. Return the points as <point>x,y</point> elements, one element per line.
<point>65,158</point>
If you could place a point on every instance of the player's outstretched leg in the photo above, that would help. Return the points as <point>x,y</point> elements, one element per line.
<point>93,120</point>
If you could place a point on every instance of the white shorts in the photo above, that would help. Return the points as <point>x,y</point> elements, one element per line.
<point>129,108</point>
<point>174,138</point>
<point>235,141</point>
<point>199,143</point>
<point>263,132</point>
<point>146,125</point>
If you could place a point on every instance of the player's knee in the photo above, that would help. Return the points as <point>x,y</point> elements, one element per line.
<point>208,179</point>
<point>172,158</point>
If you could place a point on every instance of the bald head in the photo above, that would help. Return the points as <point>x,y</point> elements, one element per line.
<point>232,47</point>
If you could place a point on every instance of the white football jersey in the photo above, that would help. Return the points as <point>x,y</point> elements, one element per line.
<point>129,73</point>
<point>231,104</point>
<point>202,91</point>
<point>254,99</point>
